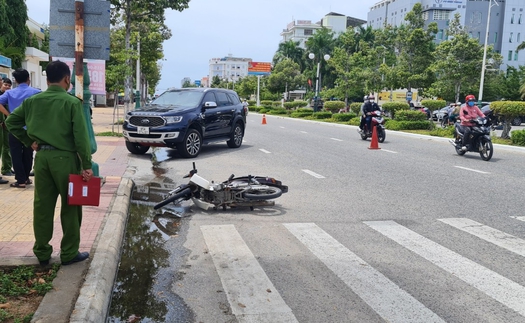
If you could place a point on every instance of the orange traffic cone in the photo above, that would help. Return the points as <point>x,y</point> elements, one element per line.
<point>264,119</point>
<point>374,144</point>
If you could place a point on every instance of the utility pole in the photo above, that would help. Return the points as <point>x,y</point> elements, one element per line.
<point>482,81</point>
<point>137,93</point>
<point>79,52</point>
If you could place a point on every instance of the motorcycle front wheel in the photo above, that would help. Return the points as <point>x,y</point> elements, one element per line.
<point>268,193</point>
<point>182,195</point>
<point>381,135</point>
<point>487,150</point>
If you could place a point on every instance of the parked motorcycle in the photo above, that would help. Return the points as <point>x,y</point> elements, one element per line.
<point>236,191</point>
<point>480,141</point>
<point>378,121</point>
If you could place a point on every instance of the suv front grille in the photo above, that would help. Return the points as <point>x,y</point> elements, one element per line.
<point>146,121</point>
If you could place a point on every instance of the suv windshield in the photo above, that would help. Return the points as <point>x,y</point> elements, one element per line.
<point>184,99</point>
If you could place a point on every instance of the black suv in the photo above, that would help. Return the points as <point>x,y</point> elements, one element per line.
<point>186,119</point>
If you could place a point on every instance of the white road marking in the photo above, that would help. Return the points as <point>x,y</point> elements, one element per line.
<point>304,132</point>
<point>389,151</point>
<point>309,172</point>
<point>497,237</point>
<point>336,139</point>
<point>282,127</point>
<point>502,289</point>
<point>386,298</point>
<point>265,151</point>
<point>521,218</point>
<point>472,170</point>
<point>252,296</point>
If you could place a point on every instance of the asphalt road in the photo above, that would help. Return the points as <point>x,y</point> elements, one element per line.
<point>408,233</point>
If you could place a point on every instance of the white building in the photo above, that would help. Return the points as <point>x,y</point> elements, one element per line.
<point>301,30</point>
<point>228,68</point>
<point>34,56</point>
<point>506,29</point>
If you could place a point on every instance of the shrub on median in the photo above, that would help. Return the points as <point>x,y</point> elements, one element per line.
<point>322,115</point>
<point>356,107</point>
<point>394,107</point>
<point>409,125</point>
<point>517,137</point>
<point>343,117</point>
<point>434,104</point>
<point>410,115</point>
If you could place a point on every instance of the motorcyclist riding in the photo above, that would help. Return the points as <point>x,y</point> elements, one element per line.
<point>362,114</point>
<point>469,111</point>
<point>368,108</point>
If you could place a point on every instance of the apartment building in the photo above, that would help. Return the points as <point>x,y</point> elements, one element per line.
<point>228,68</point>
<point>506,25</point>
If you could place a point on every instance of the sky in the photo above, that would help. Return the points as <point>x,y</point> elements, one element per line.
<point>215,28</point>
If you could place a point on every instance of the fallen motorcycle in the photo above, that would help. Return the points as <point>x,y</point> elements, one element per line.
<point>480,141</point>
<point>246,191</point>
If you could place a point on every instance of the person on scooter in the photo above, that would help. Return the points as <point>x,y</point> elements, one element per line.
<point>362,114</point>
<point>469,111</point>
<point>368,108</point>
<point>453,114</point>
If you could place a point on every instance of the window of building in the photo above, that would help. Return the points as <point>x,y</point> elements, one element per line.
<point>308,32</point>
<point>479,35</point>
<point>516,53</point>
<point>518,38</point>
<point>495,37</point>
<point>519,20</point>
<point>441,14</point>
<point>439,34</point>
<point>425,15</point>
<point>512,19</point>
<point>510,37</point>
<point>509,57</point>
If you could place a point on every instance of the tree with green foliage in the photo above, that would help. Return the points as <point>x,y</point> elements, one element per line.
<point>414,46</point>
<point>286,76</point>
<point>246,86</point>
<point>14,34</point>
<point>290,50</point>
<point>320,44</point>
<point>128,13</point>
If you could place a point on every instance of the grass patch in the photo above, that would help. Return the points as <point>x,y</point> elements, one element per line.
<point>109,134</point>
<point>22,289</point>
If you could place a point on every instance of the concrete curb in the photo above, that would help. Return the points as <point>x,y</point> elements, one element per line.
<point>93,302</point>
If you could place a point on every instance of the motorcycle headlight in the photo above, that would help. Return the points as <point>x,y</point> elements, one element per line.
<point>173,119</point>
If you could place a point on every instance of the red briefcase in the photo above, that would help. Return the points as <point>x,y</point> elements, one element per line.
<point>81,192</point>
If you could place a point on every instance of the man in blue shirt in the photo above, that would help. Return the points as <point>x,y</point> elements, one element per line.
<point>21,155</point>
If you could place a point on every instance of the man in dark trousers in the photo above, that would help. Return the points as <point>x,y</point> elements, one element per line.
<point>5,154</point>
<point>21,156</point>
<point>57,130</point>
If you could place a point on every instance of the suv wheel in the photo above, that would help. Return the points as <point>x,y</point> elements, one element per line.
<point>191,146</point>
<point>236,136</point>
<point>136,149</point>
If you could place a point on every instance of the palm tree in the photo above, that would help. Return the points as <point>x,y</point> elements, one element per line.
<point>289,49</point>
<point>521,46</point>
<point>320,44</point>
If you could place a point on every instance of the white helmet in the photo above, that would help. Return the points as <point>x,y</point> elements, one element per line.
<point>365,98</point>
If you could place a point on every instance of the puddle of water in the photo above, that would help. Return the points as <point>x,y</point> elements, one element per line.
<point>148,266</point>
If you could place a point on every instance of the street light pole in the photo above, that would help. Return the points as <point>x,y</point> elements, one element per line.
<point>482,81</point>
<point>317,85</point>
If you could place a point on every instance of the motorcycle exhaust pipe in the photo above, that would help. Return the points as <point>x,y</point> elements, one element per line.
<point>452,142</point>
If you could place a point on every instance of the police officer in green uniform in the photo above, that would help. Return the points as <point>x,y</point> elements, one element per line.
<point>57,130</point>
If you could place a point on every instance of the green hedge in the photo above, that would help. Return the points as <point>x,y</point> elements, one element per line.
<point>266,102</point>
<point>517,137</point>
<point>295,104</point>
<point>434,104</point>
<point>301,114</point>
<point>322,115</point>
<point>410,115</point>
<point>334,106</point>
<point>278,111</point>
<point>355,121</point>
<point>394,107</point>
<point>263,110</point>
<point>508,109</point>
<point>251,103</point>
<point>409,125</point>
<point>343,117</point>
<point>305,110</point>
<point>356,107</point>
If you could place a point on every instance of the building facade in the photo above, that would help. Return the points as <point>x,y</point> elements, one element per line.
<point>506,27</point>
<point>228,68</point>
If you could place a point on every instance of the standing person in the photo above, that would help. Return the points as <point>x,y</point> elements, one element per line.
<point>5,154</point>
<point>468,112</point>
<point>57,130</point>
<point>21,155</point>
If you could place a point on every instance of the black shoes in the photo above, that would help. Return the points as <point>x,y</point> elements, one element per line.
<point>44,262</point>
<point>3,181</point>
<point>81,256</point>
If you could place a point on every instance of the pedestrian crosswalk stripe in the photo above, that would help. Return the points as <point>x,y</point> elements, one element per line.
<point>497,237</point>
<point>504,290</point>
<point>252,296</point>
<point>386,298</point>
<point>521,218</point>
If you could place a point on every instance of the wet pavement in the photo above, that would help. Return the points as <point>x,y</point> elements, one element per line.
<point>151,255</point>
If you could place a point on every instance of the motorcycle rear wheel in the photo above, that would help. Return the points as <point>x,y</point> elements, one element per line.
<point>381,135</point>
<point>182,195</point>
<point>269,193</point>
<point>487,151</point>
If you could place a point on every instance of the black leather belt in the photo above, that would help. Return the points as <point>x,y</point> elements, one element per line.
<point>46,147</point>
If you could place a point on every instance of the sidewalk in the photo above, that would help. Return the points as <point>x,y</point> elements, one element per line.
<point>16,236</point>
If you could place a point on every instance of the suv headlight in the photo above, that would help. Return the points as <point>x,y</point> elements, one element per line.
<point>173,119</point>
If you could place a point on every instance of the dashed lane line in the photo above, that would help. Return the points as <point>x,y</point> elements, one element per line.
<point>309,172</point>
<point>472,170</point>
<point>265,151</point>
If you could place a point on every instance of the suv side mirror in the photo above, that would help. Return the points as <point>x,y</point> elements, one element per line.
<point>210,104</point>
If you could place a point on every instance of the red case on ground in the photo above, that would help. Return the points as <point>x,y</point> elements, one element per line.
<point>83,193</point>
